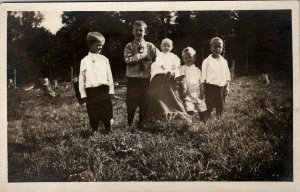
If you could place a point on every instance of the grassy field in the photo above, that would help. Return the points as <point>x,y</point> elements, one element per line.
<point>251,142</point>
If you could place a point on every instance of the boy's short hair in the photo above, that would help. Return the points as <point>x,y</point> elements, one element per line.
<point>189,50</point>
<point>139,23</point>
<point>93,37</point>
<point>167,40</point>
<point>216,39</point>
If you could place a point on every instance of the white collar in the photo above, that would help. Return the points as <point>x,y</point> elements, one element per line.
<point>139,42</point>
<point>193,65</point>
<point>93,54</point>
<point>219,58</point>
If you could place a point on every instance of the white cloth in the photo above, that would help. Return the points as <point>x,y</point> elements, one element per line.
<point>165,62</point>
<point>192,82</point>
<point>94,72</point>
<point>215,71</point>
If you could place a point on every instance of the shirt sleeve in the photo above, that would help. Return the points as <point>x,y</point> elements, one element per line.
<point>204,70</point>
<point>176,61</point>
<point>82,80</point>
<point>153,52</point>
<point>183,72</point>
<point>200,76</point>
<point>227,72</point>
<point>129,55</point>
<point>110,79</point>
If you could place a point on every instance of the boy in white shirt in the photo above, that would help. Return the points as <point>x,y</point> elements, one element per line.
<point>216,75</point>
<point>96,83</point>
<point>166,62</point>
<point>193,91</point>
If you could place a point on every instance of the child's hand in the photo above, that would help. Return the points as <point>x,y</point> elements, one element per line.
<point>227,91</point>
<point>169,75</point>
<point>146,57</point>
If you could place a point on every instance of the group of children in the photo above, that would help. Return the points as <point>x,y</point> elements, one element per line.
<point>201,91</point>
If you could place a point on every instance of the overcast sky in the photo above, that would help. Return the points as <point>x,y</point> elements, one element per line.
<point>52,21</point>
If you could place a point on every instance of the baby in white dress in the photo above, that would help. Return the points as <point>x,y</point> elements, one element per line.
<point>166,62</point>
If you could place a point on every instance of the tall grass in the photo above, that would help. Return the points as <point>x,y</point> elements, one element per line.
<point>251,142</point>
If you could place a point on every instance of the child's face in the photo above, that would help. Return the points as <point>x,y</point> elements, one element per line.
<point>139,32</point>
<point>188,59</point>
<point>96,47</point>
<point>166,47</point>
<point>216,48</point>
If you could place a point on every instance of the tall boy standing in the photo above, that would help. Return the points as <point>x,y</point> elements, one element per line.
<point>96,83</point>
<point>139,55</point>
<point>216,76</point>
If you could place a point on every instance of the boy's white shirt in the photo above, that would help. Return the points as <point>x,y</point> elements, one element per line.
<point>192,81</point>
<point>215,71</point>
<point>95,71</point>
<point>168,60</point>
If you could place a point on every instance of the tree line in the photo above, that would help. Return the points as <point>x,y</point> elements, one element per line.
<point>258,41</point>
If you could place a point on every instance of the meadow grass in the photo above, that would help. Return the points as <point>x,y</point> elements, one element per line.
<point>252,141</point>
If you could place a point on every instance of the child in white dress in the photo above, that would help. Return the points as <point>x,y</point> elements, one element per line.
<point>193,90</point>
<point>166,62</point>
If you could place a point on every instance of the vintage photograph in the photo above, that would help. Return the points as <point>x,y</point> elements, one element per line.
<point>150,95</point>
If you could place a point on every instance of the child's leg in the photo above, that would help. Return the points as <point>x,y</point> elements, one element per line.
<point>201,108</point>
<point>202,116</point>
<point>92,108</point>
<point>209,99</point>
<point>132,98</point>
<point>221,101</point>
<point>144,83</point>
<point>106,108</point>
<point>190,107</point>
<point>107,126</point>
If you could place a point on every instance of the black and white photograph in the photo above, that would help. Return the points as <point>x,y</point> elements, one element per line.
<point>150,96</point>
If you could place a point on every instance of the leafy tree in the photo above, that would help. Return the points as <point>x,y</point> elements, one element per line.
<point>259,41</point>
<point>28,45</point>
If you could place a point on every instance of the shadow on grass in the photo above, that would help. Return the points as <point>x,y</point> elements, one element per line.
<point>18,165</point>
<point>282,170</point>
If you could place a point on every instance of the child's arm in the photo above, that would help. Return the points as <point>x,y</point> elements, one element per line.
<point>227,90</point>
<point>204,71</point>
<point>201,86</point>
<point>176,66</point>
<point>81,80</point>
<point>183,82</point>
<point>110,79</point>
<point>184,87</point>
<point>202,95</point>
<point>132,58</point>
<point>228,78</point>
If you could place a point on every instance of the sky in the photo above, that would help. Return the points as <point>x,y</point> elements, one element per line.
<point>52,21</point>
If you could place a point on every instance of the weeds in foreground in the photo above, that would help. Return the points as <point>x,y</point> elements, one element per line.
<point>252,141</point>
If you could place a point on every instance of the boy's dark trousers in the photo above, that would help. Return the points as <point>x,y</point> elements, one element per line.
<point>136,92</point>
<point>99,106</point>
<point>214,98</point>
